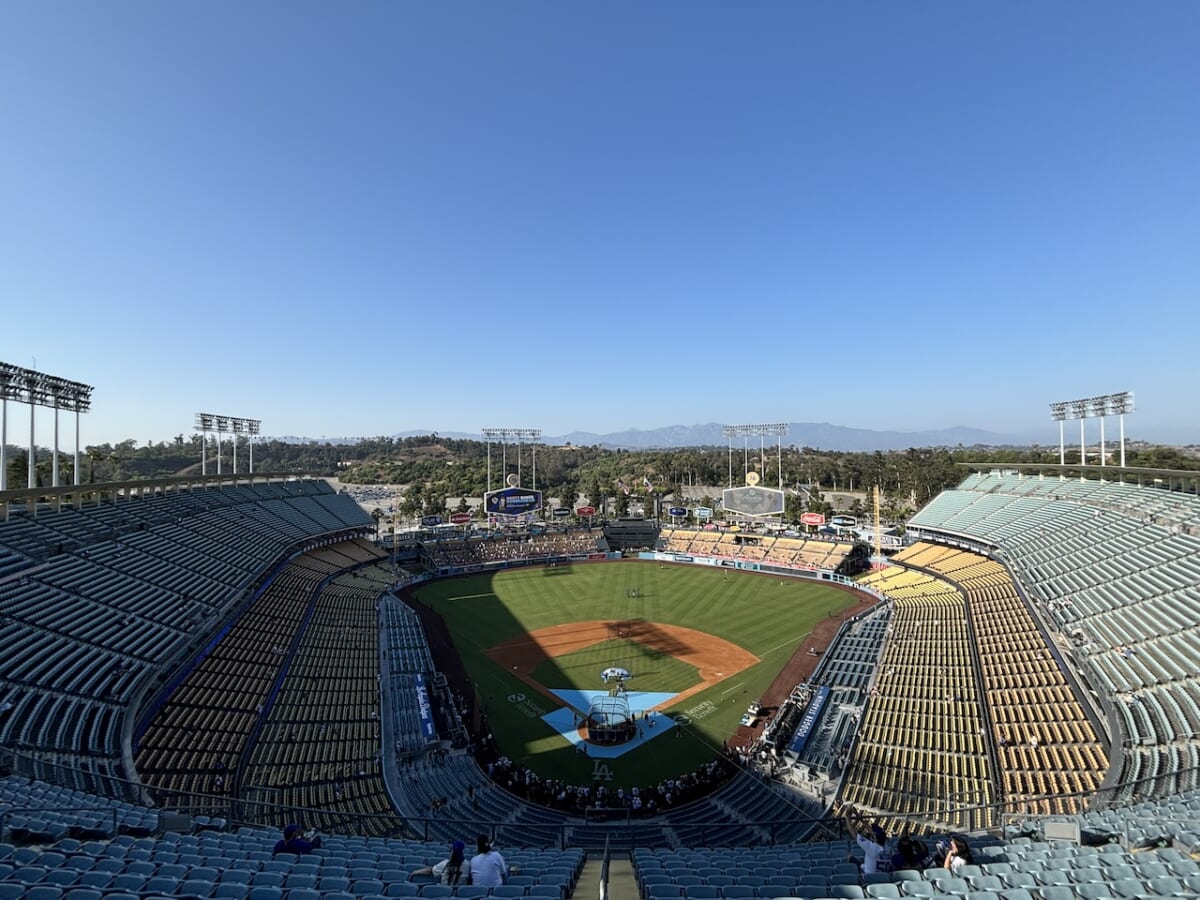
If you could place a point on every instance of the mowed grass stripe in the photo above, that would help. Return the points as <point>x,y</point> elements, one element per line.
<point>768,616</point>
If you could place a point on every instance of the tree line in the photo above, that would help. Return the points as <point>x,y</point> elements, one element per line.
<point>433,469</point>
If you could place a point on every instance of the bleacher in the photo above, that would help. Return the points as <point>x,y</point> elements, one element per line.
<point>1048,751</point>
<point>920,746</point>
<point>319,747</point>
<point>1019,869</point>
<point>1112,567</point>
<point>100,599</point>
<point>503,548</point>
<point>196,740</point>
<point>797,553</point>
<point>73,864</point>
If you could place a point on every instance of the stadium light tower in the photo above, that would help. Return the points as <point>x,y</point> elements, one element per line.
<point>775,429</point>
<point>730,432</point>
<point>208,422</point>
<point>205,422</point>
<point>504,435</point>
<point>1059,412</point>
<point>1091,407</point>
<point>1118,405</point>
<point>39,389</point>
<point>253,428</point>
<point>7,390</point>
<point>236,427</point>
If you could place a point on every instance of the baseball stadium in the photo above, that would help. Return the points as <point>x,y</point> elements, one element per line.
<point>678,704</point>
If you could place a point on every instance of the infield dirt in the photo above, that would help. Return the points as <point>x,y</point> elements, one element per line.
<point>714,658</point>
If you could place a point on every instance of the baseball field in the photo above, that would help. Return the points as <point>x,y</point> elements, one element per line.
<point>699,644</point>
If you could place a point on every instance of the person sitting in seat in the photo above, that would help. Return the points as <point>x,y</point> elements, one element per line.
<point>296,842</point>
<point>449,870</point>
<point>488,868</point>
<point>958,854</point>
<point>911,853</point>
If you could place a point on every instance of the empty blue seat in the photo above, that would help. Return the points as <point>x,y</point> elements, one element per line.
<point>883,891</point>
<point>129,881</point>
<point>1166,886</point>
<point>1127,887</point>
<point>509,891</point>
<point>739,891</point>
<point>197,887</point>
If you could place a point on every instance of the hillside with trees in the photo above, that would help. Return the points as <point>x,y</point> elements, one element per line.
<point>434,469</point>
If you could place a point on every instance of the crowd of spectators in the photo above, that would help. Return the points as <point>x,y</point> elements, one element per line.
<point>504,547</point>
<point>639,801</point>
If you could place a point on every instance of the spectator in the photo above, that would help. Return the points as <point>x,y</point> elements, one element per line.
<point>958,854</point>
<point>911,853</point>
<point>871,839</point>
<point>449,870</point>
<point>296,842</point>
<point>488,868</point>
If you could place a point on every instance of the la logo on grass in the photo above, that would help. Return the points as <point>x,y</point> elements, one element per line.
<point>601,771</point>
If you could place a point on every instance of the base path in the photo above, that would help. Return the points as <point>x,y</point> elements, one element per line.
<point>714,658</point>
<point>802,664</point>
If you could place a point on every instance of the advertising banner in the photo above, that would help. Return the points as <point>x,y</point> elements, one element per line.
<point>460,518</point>
<point>512,501</point>
<point>703,512</point>
<point>805,729</point>
<point>677,511</point>
<point>430,521</point>
<point>424,709</point>
<point>561,512</point>
<point>812,519</point>
<point>585,511</point>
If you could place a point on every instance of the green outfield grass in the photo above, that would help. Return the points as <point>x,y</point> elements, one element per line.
<point>767,616</point>
<point>649,667</point>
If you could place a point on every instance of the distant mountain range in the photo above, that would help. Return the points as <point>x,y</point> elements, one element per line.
<point>817,435</point>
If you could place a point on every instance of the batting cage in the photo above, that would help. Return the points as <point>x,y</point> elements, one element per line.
<point>609,720</point>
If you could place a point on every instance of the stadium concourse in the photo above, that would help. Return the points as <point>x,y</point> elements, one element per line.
<point>191,664</point>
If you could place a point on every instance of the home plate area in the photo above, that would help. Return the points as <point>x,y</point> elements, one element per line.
<point>646,722</point>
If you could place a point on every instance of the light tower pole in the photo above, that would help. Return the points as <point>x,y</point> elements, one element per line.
<point>1101,406</point>
<point>39,389</point>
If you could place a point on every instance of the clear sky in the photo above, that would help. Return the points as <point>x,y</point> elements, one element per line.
<point>364,218</point>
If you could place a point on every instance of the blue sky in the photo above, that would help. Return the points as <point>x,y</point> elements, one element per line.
<point>364,218</point>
